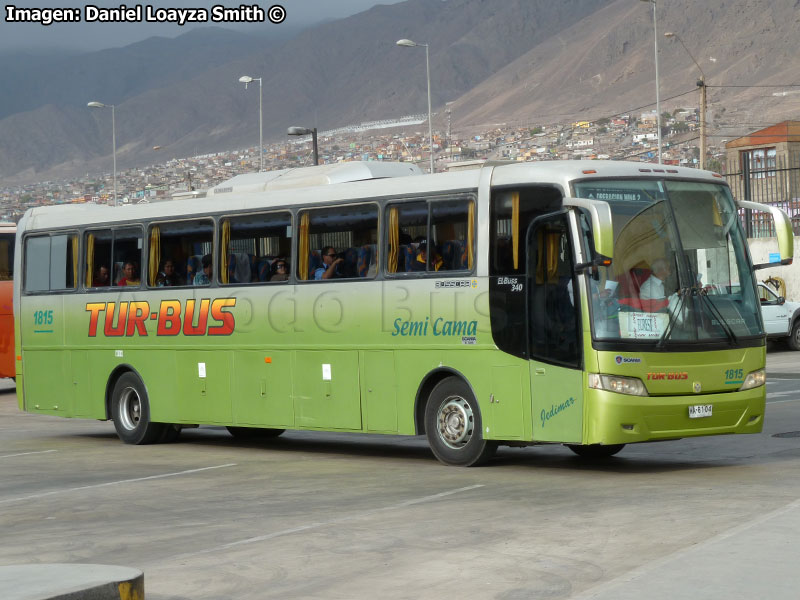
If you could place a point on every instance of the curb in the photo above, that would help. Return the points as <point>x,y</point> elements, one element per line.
<point>71,582</point>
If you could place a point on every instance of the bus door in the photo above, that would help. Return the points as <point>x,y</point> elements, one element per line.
<point>554,332</point>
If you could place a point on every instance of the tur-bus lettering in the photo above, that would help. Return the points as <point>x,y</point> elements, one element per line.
<point>203,317</point>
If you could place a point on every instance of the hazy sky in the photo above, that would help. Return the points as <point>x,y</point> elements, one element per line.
<point>93,36</point>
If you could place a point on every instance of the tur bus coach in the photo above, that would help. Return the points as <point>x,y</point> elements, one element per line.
<point>593,304</point>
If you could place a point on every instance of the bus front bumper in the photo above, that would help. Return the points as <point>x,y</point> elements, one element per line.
<point>621,419</point>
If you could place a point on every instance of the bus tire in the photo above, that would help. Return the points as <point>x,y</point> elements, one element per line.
<point>794,336</point>
<point>254,433</point>
<point>596,451</point>
<point>130,410</point>
<point>453,425</point>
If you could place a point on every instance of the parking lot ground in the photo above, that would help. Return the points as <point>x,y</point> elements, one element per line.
<point>324,515</point>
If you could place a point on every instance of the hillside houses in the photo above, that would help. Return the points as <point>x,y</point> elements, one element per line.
<point>618,137</point>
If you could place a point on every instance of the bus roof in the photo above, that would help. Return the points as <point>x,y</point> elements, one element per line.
<point>310,176</point>
<point>350,181</point>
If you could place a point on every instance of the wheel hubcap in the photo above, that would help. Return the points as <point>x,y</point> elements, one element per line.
<point>130,408</point>
<point>456,422</point>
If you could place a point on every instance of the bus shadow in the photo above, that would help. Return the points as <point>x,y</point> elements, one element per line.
<point>548,456</point>
<point>563,459</point>
<point>323,443</point>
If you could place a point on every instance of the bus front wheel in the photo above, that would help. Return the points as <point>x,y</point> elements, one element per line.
<point>453,425</point>
<point>596,451</point>
<point>130,411</point>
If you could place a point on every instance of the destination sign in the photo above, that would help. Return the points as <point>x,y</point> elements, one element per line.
<point>604,193</point>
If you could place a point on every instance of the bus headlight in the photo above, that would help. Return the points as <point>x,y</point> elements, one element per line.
<point>754,380</point>
<point>614,383</point>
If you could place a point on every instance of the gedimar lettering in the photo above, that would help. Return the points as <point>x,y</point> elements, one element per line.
<point>42,16</point>
<point>555,409</point>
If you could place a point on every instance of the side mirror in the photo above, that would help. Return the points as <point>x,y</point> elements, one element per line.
<point>783,231</point>
<point>602,228</point>
<point>781,300</point>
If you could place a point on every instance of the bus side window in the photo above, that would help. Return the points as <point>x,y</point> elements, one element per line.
<point>429,236</point>
<point>453,235</point>
<point>184,244</point>
<point>351,233</point>
<point>511,212</point>
<point>50,262</point>
<point>252,245</point>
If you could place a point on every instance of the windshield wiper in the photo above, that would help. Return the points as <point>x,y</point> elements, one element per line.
<point>673,316</point>
<point>715,312</point>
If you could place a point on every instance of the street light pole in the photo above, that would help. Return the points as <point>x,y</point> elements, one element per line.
<point>307,131</point>
<point>245,79</point>
<point>113,139</point>
<point>410,44</point>
<point>701,83</point>
<point>658,93</point>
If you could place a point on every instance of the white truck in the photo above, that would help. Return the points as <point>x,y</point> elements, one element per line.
<point>781,318</point>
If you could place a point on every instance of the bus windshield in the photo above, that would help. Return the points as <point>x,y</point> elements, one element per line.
<point>680,272</point>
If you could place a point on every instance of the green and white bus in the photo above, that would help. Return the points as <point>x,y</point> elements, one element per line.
<point>587,303</point>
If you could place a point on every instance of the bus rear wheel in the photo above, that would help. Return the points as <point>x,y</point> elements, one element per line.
<point>596,451</point>
<point>453,425</point>
<point>130,410</point>
<point>254,433</point>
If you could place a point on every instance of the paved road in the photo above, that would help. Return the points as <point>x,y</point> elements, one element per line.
<point>348,516</point>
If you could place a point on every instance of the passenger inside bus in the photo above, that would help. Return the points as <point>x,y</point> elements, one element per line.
<point>168,277</point>
<point>101,277</point>
<point>130,274</point>
<point>280,270</point>
<point>420,262</point>
<point>204,276</point>
<point>330,265</point>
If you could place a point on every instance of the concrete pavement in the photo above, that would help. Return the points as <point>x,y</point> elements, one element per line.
<point>740,561</point>
<point>785,363</point>
<point>757,559</point>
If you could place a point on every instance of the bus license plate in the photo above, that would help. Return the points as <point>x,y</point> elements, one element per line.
<point>700,410</point>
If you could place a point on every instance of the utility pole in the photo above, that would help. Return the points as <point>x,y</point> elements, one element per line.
<point>449,138</point>
<point>701,83</point>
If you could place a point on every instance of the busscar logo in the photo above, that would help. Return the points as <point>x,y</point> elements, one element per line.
<point>194,317</point>
<point>459,283</point>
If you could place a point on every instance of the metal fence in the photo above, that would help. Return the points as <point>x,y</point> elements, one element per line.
<point>777,184</point>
